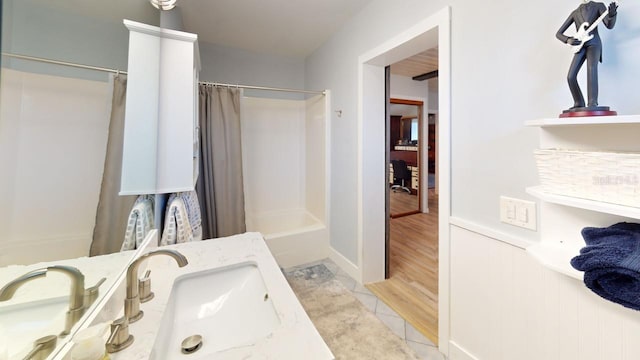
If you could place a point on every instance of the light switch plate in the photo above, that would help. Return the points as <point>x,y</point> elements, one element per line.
<point>518,212</point>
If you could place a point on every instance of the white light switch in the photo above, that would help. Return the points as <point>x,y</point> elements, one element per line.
<point>522,214</point>
<point>511,210</point>
<point>518,212</point>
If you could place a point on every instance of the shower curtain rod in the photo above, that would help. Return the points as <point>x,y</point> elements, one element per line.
<point>64,63</point>
<point>115,71</point>
<point>251,87</point>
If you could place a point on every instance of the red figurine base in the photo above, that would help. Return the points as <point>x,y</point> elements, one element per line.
<point>593,112</point>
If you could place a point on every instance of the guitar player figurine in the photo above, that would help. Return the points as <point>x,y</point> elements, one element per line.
<point>587,46</point>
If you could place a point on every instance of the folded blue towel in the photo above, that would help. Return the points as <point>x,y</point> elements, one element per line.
<point>611,263</point>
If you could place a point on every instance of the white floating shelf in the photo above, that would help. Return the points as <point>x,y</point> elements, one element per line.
<point>614,209</point>
<point>587,120</point>
<point>557,257</point>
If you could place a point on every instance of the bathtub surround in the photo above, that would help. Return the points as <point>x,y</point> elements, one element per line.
<point>113,209</point>
<point>285,145</point>
<point>52,151</point>
<point>220,185</point>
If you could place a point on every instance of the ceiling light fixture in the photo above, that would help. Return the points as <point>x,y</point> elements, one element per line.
<point>163,4</point>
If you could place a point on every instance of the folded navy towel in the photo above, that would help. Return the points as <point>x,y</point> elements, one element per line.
<point>611,263</point>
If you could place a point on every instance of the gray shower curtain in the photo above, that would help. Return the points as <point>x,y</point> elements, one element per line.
<point>220,185</point>
<point>113,210</point>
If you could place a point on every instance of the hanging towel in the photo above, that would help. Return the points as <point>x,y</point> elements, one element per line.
<point>611,263</point>
<point>190,199</point>
<point>176,224</point>
<point>141,221</point>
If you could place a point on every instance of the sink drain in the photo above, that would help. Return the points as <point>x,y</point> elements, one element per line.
<point>191,344</point>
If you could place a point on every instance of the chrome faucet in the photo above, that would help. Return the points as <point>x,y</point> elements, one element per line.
<point>132,303</point>
<point>76,299</point>
<point>7,292</point>
<point>42,348</point>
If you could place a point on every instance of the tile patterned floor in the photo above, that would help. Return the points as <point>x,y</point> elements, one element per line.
<point>414,339</point>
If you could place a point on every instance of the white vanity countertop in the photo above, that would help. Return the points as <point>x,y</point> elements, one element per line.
<point>57,284</point>
<point>295,337</point>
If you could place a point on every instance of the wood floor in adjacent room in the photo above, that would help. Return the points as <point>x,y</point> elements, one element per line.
<point>402,202</point>
<point>412,289</point>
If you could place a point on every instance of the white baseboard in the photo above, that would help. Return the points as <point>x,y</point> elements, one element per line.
<point>44,250</point>
<point>346,265</point>
<point>456,352</point>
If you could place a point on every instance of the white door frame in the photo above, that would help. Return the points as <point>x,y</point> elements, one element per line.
<point>434,30</point>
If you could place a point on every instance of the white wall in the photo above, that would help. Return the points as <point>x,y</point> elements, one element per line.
<point>406,88</point>
<point>53,143</point>
<point>273,154</point>
<point>236,66</point>
<point>498,82</point>
<point>54,30</point>
<point>433,94</point>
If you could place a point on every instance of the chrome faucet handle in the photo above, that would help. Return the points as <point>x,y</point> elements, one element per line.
<point>91,294</point>
<point>119,339</point>
<point>144,288</point>
<point>42,348</point>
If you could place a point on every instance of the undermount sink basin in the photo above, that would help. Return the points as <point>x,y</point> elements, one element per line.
<point>228,307</point>
<point>24,323</point>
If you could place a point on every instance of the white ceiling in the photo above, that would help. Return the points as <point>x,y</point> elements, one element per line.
<point>115,10</point>
<point>279,27</point>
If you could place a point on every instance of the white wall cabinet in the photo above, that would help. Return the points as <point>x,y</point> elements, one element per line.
<point>161,117</point>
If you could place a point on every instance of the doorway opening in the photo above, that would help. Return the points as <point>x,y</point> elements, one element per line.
<point>411,285</point>
<point>373,176</point>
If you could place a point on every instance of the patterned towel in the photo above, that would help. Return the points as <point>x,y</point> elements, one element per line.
<point>190,199</point>
<point>177,228</point>
<point>141,221</point>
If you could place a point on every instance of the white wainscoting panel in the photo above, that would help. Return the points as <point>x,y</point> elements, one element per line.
<point>504,305</point>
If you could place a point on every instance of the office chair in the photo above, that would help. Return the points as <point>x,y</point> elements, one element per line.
<point>401,174</point>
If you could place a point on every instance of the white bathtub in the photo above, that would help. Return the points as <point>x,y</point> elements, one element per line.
<point>294,237</point>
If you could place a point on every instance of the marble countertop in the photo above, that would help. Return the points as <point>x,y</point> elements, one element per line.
<point>58,284</point>
<point>55,286</point>
<point>294,338</point>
